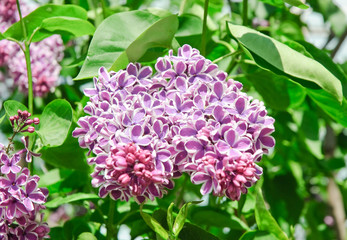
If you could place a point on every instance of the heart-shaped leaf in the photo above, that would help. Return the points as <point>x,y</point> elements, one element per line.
<point>125,37</point>
<point>34,20</point>
<point>55,123</point>
<point>76,26</point>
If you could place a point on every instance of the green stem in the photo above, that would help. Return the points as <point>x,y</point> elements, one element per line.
<point>227,55</point>
<point>182,6</point>
<point>29,73</point>
<point>27,60</point>
<point>245,13</point>
<point>179,200</point>
<point>111,210</point>
<point>204,29</point>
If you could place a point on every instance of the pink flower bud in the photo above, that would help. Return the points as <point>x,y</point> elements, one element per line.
<point>29,122</point>
<point>36,121</point>
<point>31,129</point>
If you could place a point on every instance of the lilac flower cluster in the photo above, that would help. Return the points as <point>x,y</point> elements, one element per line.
<point>187,116</point>
<point>20,198</point>
<point>45,55</point>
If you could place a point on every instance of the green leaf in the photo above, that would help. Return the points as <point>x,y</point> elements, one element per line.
<point>125,37</point>
<point>329,105</point>
<point>36,18</point>
<point>277,91</point>
<point>297,3</point>
<point>324,59</point>
<point>169,217</point>
<point>55,122</point>
<point>191,231</point>
<point>153,224</point>
<point>273,55</point>
<point>12,106</point>
<point>264,219</point>
<point>215,217</point>
<point>56,202</point>
<point>181,218</point>
<point>2,36</point>
<point>76,26</point>
<point>2,118</point>
<point>310,128</point>
<point>68,155</point>
<point>257,235</point>
<point>86,236</point>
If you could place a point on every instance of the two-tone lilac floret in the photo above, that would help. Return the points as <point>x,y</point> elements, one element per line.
<point>20,200</point>
<point>45,55</point>
<point>187,116</point>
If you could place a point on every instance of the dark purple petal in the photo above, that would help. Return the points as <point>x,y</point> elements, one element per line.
<point>230,137</point>
<point>240,105</point>
<point>30,187</point>
<point>268,141</point>
<point>199,178</point>
<point>145,72</point>
<point>206,187</point>
<point>218,89</point>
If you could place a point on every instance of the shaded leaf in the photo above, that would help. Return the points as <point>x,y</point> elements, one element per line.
<point>329,105</point>
<point>68,155</point>
<point>215,217</point>
<point>191,231</point>
<point>277,91</point>
<point>125,37</point>
<point>264,219</point>
<point>271,54</point>
<point>56,202</point>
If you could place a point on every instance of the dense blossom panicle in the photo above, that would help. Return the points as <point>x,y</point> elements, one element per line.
<point>187,117</point>
<point>20,200</point>
<point>45,55</point>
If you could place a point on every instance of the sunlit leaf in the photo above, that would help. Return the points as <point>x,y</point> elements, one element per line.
<point>125,37</point>
<point>56,202</point>
<point>55,122</point>
<point>36,18</point>
<point>271,54</point>
<point>75,26</point>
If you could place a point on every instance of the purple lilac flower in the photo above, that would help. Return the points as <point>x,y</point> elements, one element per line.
<point>20,200</point>
<point>186,116</point>
<point>45,55</point>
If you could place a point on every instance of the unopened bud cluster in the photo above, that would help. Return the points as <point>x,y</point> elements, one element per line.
<point>22,122</point>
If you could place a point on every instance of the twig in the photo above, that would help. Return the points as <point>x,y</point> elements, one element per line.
<point>336,49</point>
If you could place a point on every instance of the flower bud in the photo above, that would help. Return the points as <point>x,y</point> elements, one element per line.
<point>36,121</point>
<point>31,129</point>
